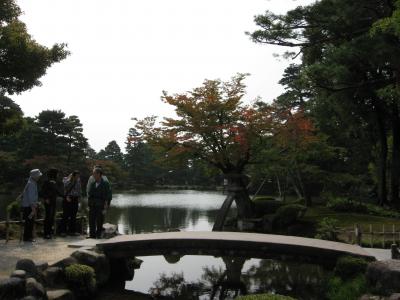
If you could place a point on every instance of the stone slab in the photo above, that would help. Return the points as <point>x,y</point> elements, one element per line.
<point>210,243</point>
<point>86,243</point>
<point>380,254</point>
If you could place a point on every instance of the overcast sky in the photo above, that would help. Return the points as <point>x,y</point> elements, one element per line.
<point>124,53</point>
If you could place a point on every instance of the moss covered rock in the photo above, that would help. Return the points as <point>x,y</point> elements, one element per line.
<point>81,280</point>
<point>98,261</point>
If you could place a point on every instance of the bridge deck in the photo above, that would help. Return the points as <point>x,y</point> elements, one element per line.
<point>226,244</point>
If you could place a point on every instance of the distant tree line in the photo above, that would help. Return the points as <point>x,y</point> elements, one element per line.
<point>52,139</point>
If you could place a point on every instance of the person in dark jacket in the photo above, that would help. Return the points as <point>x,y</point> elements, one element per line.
<point>73,191</point>
<point>49,192</point>
<point>99,198</point>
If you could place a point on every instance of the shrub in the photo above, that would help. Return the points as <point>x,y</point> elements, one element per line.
<point>265,297</point>
<point>346,290</point>
<point>376,210</point>
<point>14,209</point>
<point>350,206</point>
<point>328,229</point>
<point>288,214</point>
<point>349,267</point>
<point>346,205</point>
<point>81,279</point>
<point>267,207</point>
<point>264,198</point>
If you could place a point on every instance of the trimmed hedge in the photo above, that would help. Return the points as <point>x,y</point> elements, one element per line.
<point>267,207</point>
<point>265,297</point>
<point>288,214</point>
<point>350,206</point>
<point>349,267</point>
<point>328,229</point>
<point>353,289</point>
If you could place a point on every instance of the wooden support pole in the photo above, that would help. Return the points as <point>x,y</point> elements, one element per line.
<point>383,236</point>
<point>371,233</point>
<point>7,227</point>
<point>358,234</point>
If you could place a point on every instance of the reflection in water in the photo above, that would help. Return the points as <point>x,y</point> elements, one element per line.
<point>162,211</point>
<point>230,277</point>
<point>300,280</point>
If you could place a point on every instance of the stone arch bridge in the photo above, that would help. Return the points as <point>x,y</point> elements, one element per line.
<point>236,244</point>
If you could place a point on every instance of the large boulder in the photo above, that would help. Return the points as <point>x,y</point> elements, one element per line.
<point>12,288</point>
<point>98,261</point>
<point>41,266</point>
<point>19,274</point>
<point>66,262</point>
<point>28,266</point>
<point>35,289</point>
<point>122,269</point>
<point>60,295</point>
<point>372,297</point>
<point>54,277</point>
<point>110,230</point>
<point>384,276</point>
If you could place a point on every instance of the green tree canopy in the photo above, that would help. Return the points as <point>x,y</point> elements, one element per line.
<point>22,60</point>
<point>344,70</point>
<point>11,116</point>
<point>113,153</point>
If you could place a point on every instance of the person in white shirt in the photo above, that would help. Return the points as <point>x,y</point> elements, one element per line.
<point>29,203</point>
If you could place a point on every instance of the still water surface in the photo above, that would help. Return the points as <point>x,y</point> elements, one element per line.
<point>202,277</point>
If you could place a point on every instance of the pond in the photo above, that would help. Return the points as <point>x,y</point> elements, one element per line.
<point>203,277</point>
<point>165,210</point>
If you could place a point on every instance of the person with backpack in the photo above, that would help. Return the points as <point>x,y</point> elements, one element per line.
<point>49,192</point>
<point>72,195</point>
<point>99,198</point>
<point>29,204</point>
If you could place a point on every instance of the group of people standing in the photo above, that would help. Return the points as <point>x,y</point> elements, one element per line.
<point>99,195</point>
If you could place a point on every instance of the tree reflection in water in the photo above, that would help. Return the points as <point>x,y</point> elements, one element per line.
<point>300,280</point>
<point>296,279</point>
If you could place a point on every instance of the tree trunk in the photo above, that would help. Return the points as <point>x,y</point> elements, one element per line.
<point>237,184</point>
<point>278,182</point>
<point>286,187</point>
<point>237,191</point>
<point>395,169</point>
<point>295,187</point>
<point>303,188</point>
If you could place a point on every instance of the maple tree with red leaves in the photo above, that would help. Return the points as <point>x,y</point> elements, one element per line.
<point>214,124</point>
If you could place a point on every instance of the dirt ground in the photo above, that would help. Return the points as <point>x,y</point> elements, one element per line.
<point>42,250</point>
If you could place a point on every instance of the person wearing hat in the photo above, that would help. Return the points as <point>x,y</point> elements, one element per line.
<point>29,203</point>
